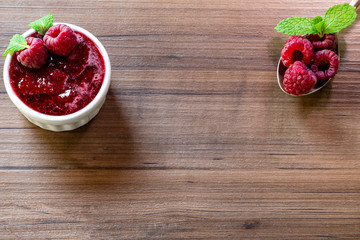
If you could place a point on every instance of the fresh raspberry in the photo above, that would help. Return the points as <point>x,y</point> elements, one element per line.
<point>297,49</point>
<point>326,64</point>
<point>35,56</point>
<point>326,42</point>
<point>60,39</point>
<point>299,79</point>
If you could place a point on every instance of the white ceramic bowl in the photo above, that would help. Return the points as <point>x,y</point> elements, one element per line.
<point>63,122</point>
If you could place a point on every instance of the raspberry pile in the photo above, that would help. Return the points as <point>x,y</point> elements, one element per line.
<point>309,60</point>
<point>59,39</point>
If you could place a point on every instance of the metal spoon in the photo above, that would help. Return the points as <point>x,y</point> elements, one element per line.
<point>320,84</point>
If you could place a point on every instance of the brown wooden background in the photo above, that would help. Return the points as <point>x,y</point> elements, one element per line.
<point>195,140</point>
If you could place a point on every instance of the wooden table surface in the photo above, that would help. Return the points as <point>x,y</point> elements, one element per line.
<point>195,139</point>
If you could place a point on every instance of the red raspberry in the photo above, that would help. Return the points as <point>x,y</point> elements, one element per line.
<point>326,64</point>
<point>297,49</point>
<point>299,79</point>
<point>326,42</point>
<point>35,56</point>
<point>60,39</point>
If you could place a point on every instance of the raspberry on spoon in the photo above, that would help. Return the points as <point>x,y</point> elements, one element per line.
<point>326,64</point>
<point>299,79</point>
<point>326,42</point>
<point>297,49</point>
<point>35,56</point>
<point>60,39</point>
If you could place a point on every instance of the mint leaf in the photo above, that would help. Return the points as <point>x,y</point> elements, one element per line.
<point>17,43</point>
<point>339,17</point>
<point>335,19</point>
<point>320,28</point>
<point>43,24</point>
<point>318,25</point>
<point>317,19</point>
<point>296,26</point>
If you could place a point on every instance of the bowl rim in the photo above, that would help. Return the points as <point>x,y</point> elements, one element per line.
<point>61,119</point>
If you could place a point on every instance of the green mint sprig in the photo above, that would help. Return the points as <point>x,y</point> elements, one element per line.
<point>43,24</point>
<point>335,19</point>
<point>17,43</point>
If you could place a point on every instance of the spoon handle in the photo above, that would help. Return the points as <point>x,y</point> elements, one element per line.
<point>355,3</point>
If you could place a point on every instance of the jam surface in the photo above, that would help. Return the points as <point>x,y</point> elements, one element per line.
<point>63,85</point>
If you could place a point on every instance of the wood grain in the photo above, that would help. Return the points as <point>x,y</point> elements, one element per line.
<point>195,140</point>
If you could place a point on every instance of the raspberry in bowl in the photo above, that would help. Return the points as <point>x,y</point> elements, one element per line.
<point>68,88</point>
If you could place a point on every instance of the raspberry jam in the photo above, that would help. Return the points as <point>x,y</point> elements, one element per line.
<point>63,85</point>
